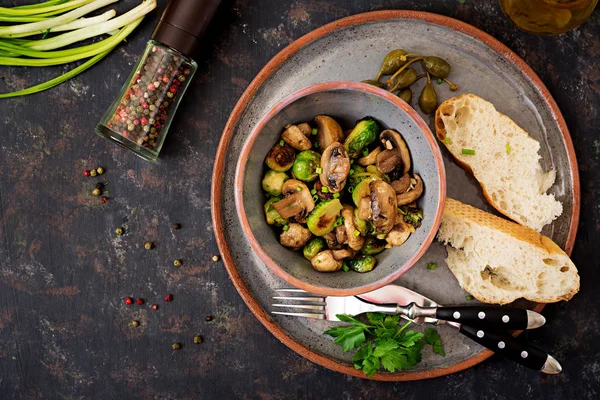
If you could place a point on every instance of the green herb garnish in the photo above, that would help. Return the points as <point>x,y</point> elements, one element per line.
<point>281,143</point>
<point>431,265</point>
<point>469,297</point>
<point>508,148</point>
<point>325,189</point>
<point>319,170</point>
<point>447,140</point>
<point>285,228</point>
<point>432,337</point>
<point>468,152</point>
<point>336,195</point>
<point>314,131</point>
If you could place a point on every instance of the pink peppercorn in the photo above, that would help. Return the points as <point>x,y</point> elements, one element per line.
<point>151,86</point>
<point>144,121</point>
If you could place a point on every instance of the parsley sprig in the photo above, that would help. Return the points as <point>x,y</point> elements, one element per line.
<point>382,342</point>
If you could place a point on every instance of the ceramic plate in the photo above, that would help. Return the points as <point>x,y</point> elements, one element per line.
<point>351,49</point>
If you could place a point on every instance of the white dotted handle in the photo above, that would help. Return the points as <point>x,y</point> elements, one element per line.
<point>491,318</point>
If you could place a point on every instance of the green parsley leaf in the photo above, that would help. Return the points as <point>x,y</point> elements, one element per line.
<point>432,337</point>
<point>431,265</point>
<point>409,339</point>
<point>375,317</point>
<point>349,337</point>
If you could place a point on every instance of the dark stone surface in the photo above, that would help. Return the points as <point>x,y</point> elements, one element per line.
<point>63,272</point>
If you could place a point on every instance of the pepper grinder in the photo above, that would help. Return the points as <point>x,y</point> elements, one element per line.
<point>140,117</point>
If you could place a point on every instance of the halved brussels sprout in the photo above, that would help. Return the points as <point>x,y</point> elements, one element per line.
<point>362,263</point>
<point>322,219</point>
<point>373,246</point>
<point>363,134</point>
<point>412,215</point>
<point>314,246</point>
<point>306,164</point>
<point>361,224</point>
<point>362,189</point>
<point>280,158</point>
<point>271,214</point>
<point>273,182</point>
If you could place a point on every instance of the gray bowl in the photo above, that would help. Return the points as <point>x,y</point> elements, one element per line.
<point>346,102</point>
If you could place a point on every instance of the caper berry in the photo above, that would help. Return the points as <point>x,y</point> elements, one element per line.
<point>405,79</point>
<point>428,99</point>
<point>373,82</point>
<point>406,95</point>
<point>391,62</point>
<point>436,66</point>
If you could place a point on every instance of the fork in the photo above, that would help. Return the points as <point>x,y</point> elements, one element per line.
<point>421,310</point>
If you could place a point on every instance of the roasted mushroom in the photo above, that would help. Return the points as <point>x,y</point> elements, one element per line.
<point>295,138</point>
<point>343,253</point>
<point>383,206</point>
<point>324,262</point>
<point>335,167</point>
<point>305,129</point>
<point>395,156</point>
<point>295,236</point>
<point>322,195</point>
<point>371,158</point>
<point>328,131</point>
<point>399,233</point>
<point>401,185</point>
<point>354,239</point>
<point>341,235</point>
<point>413,192</point>
<point>280,158</point>
<point>297,202</point>
<point>364,208</point>
<point>332,243</point>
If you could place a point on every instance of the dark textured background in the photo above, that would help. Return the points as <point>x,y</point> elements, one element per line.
<point>64,273</point>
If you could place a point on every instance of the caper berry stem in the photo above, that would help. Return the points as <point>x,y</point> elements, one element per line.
<point>428,77</point>
<point>390,81</point>
<point>451,85</point>
<point>405,57</point>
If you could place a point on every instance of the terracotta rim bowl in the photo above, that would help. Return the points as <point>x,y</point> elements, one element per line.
<point>243,163</point>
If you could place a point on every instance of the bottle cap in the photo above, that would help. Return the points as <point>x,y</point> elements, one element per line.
<point>183,23</point>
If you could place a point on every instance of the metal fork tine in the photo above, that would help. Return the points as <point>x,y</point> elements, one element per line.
<point>306,315</point>
<point>291,290</point>
<point>302,306</point>
<point>310,298</point>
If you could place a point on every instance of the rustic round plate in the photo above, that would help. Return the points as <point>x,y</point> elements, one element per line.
<point>351,49</point>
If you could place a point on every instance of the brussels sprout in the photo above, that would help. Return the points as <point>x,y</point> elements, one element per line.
<point>314,246</point>
<point>322,219</point>
<point>373,246</point>
<point>273,181</point>
<point>280,158</point>
<point>363,134</point>
<point>412,215</point>
<point>306,164</point>
<point>361,224</point>
<point>271,214</point>
<point>362,189</point>
<point>362,263</point>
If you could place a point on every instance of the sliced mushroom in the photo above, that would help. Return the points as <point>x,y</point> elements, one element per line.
<point>324,262</point>
<point>295,237</point>
<point>364,208</point>
<point>355,242</point>
<point>339,255</point>
<point>414,191</point>
<point>393,143</point>
<point>399,233</point>
<point>297,203</point>
<point>383,206</point>
<point>388,160</point>
<point>328,131</point>
<point>295,138</point>
<point>335,167</point>
<point>332,243</point>
<point>305,129</point>
<point>401,185</point>
<point>369,159</point>
<point>340,235</point>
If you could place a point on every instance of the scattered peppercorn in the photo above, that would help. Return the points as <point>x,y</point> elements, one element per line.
<point>215,258</point>
<point>96,192</point>
<point>93,172</point>
<point>197,339</point>
<point>155,307</point>
<point>139,302</point>
<point>208,318</point>
<point>119,231</point>
<point>177,263</point>
<point>176,226</point>
<point>100,170</point>
<point>169,297</point>
<point>148,245</point>
<point>134,324</point>
<point>104,199</point>
<point>86,173</point>
<point>176,346</point>
<point>128,301</point>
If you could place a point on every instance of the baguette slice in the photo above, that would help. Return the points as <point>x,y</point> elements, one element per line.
<point>499,261</point>
<point>506,159</point>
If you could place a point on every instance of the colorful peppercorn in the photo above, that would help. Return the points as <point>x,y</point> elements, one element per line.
<point>128,301</point>
<point>139,302</point>
<point>86,173</point>
<point>148,245</point>
<point>96,192</point>
<point>177,263</point>
<point>176,346</point>
<point>100,170</point>
<point>169,297</point>
<point>155,307</point>
<point>176,226</point>
<point>134,324</point>
<point>215,258</point>
<point>197,339</point>
<point>119,231</point>
<point>103,199</point>
<point>208,318</point>
<point>93,172</point>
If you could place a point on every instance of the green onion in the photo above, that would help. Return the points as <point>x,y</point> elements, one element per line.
<point>286,228</point>
<point>315,198</point>
<point>299,189</point>
<point>336,195</point>
<point>365,152</point>
<point>325,189</point>
<point>439,81</point>
<point>447,140</point>
<point>356,233</point>
<point>319,170</point>
<point>431,266</point>
<point>469,297</point>
<point>351,171</point>
<point>508,148</point>
<point>345,267</point>
<point>314,131</point>
<point>281,143</point>
<point>468,151</point>
<point>313,191</point>
<point>339,221</point>
<point>350,189</point>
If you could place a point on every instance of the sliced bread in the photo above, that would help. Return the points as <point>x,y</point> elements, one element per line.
<point>498,261</point>
<point>505,159</point>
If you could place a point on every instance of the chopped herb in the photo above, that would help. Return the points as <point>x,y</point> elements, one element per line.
<point>508,148</point>
<point>357,233</point>
<point>468,151</point>
<point>469,297</point>
<point>365,152</point>
<point>315,198</point>
<point>447,140</point>
<point>319,170</point>
<point>316,145</point>
<point>281,143</point>
<point>439,81</point>
<point>432,337</point>
<point>431,265</point>
<point>286,228</point>
<point>313,191</point>
<point>339,221</point>
<point>345,267</point>
<point>325,189</point>
<point>336,195</point>
<point>314,131</point>
<point>299,188</point>
<point>351,171</point>
<point>350,189</point>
